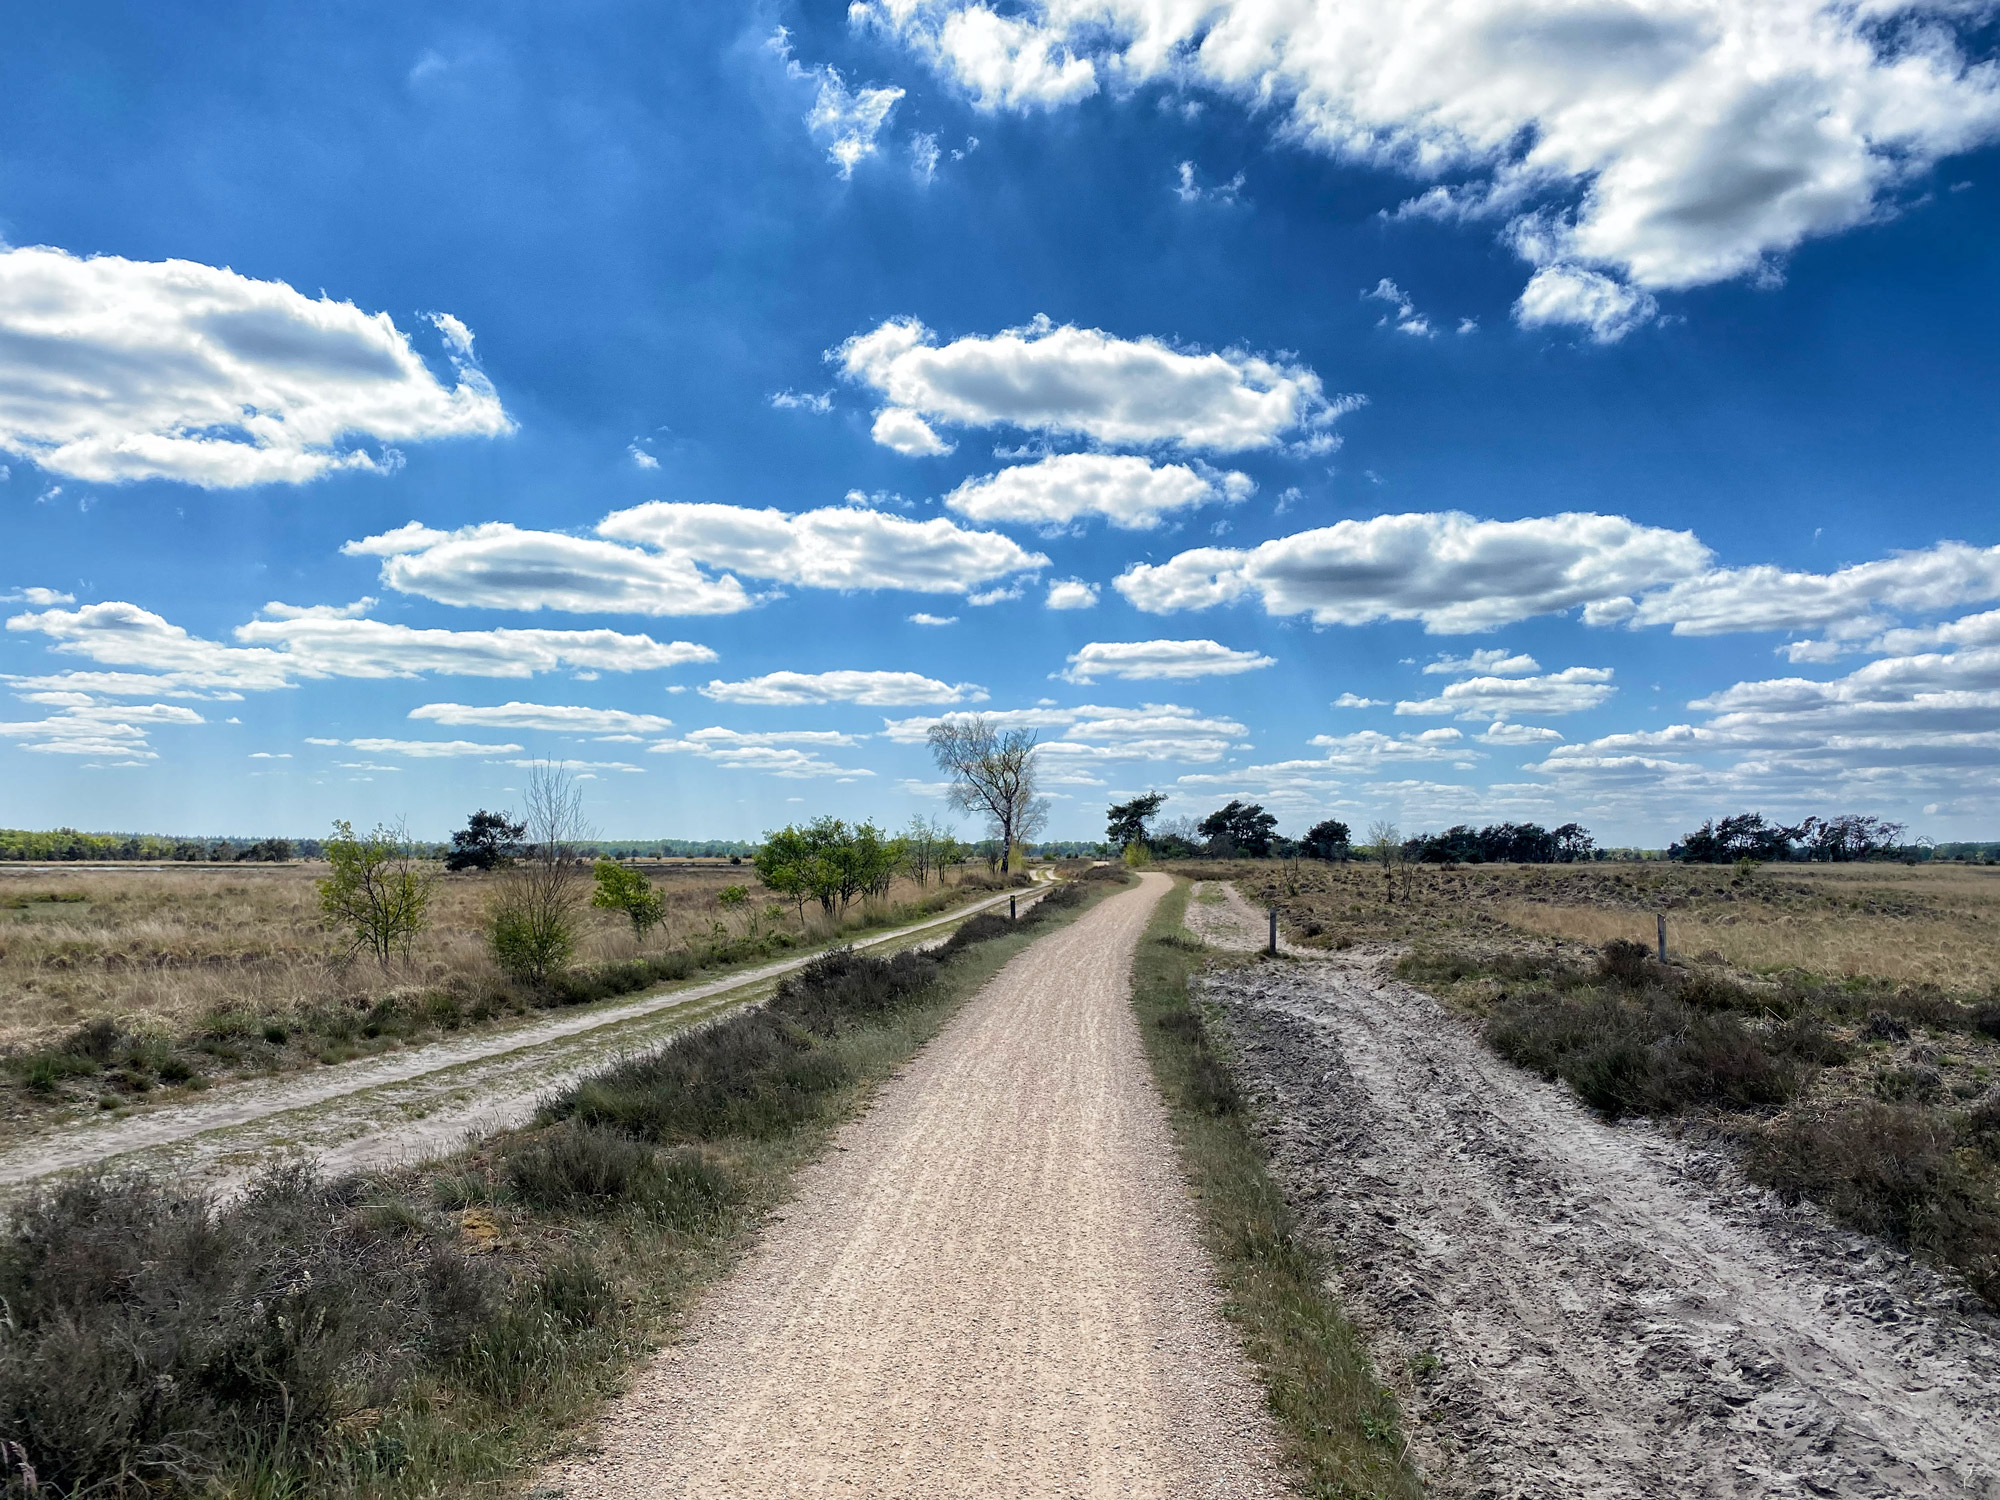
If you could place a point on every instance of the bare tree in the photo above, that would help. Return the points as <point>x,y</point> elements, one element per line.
<point>1385,843</point>
<point>992,774</point>
<point>535,910</point>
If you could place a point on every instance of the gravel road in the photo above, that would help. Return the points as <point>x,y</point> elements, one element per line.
<point>992,1286</point>
<point>1586,1310</point>
<point>403,1105</point>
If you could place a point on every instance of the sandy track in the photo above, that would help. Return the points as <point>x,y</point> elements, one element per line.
<point>403,1105</point>
<point>1613,1312</point>
<point>991,1287</point>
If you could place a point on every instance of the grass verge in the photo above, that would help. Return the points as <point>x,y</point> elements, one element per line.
<point>1343,1428</point>
<point>441,1331</point>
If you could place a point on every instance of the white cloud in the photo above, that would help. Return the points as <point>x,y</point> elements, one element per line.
<point>1769,598</point>
<point>1071,593</point>
<point>907,433</point>
<point>498,566</point>
<point>921,618</point>
<point>641,458</point>
<point>325,641</point>
<point>924,157</point>
<point>1569,691</point>
<point>1366,749</point>
<point>818,404</point>
<point>879,689</point>
<point>1355,700</point>
<point>97,729</point>
<point>1403,311</point>
<point>1084,382</point>
<point>1500,732</point>
<point>1093,736</point>
<point>1670,144</point>
<point>1446,569</point>
<point>837,547</point>
<point>775,753</point>
<point>127,370</point>
<point>425,749</point>
<point>41,598</point>
<point>847,120</point>
<point>1130,492</point>
<point>1155,661</point>
<point>650,559</point>
<point>1488,663</point>
<point>558,718</point>
<point>1570,295</point>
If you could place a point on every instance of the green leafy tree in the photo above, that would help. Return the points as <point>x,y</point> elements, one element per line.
<point>378,891</point>
<point>1330,840</point>
<point>621,888</point>
<point>1125,824</point>
<point>489,841</point>
<point>1239,828</point>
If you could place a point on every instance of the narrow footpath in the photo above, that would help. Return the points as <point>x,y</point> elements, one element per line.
<point>992,1286</point>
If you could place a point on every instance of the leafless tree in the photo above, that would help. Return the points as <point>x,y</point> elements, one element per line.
<point>993,775</point>
<point>536,908</point>
<point>1385,843</point>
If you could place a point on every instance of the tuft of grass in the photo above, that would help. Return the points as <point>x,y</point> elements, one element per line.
<point>1342,1426</point>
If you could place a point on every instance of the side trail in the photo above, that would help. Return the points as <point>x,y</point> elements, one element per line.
<point>992,1286</point>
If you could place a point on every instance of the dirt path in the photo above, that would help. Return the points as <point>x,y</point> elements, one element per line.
<point>991,1287</point>
<point>1579,1309</point>
<point>403,1105</point>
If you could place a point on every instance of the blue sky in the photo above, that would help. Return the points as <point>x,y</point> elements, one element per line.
<point>1555,411</point>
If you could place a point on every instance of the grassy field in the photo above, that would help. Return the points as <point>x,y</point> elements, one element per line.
<point>1340,1423</point>
<point>1840,1024</point>
<point>442,1331</point>
<point>121,982</point>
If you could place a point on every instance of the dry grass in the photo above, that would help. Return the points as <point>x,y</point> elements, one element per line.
<point>1928,924</point>
<point>160,947</point>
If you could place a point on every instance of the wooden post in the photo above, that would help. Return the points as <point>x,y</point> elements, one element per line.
<point>1274,932</point>
<point>1661,917</point>
<point>1010,913</point>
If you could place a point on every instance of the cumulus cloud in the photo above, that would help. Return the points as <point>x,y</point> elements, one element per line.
<point>1084,740</point>
<point>780,753</point>
<point>1355,700</point>
<point>42,598</point>
<point>1668,145</point>
<point>920,618</point>
<point>1082,382</point>
<point>1130,492</point>
<point>97,729</point>
<point>1155,661</point>
<point>877,689</point>
<point>847,120</point>
<point>1446,569</point>
<point>1489,663</point>
<point>651,559</point>
<point>819,404</point>
<point>126,370</point>
<point>1366,749</point>
<point>1500,732</point>
<point>1770,598</point>
<point>292,644</point>
<point>557,718</point>
<point>1071,593</point>
<point>1569,691</point>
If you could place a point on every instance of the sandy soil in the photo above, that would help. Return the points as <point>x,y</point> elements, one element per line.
<point>1579,1309</point>
<point>993,1285</point>
<point>405,1105</point>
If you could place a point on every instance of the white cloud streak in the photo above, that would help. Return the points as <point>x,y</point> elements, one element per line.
<point>1158,661</point>
<point>556,718</point>
<point>874,689</point>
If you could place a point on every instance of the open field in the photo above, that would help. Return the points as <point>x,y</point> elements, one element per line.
<point>120,986</point>
<point>1903,925</point>
<point>172,944</point>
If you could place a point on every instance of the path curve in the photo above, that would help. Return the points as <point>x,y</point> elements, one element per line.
<point>992,1285</point>
<point>408,1104</point>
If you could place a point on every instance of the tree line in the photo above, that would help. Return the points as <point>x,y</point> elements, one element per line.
<point>1843,839</point>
